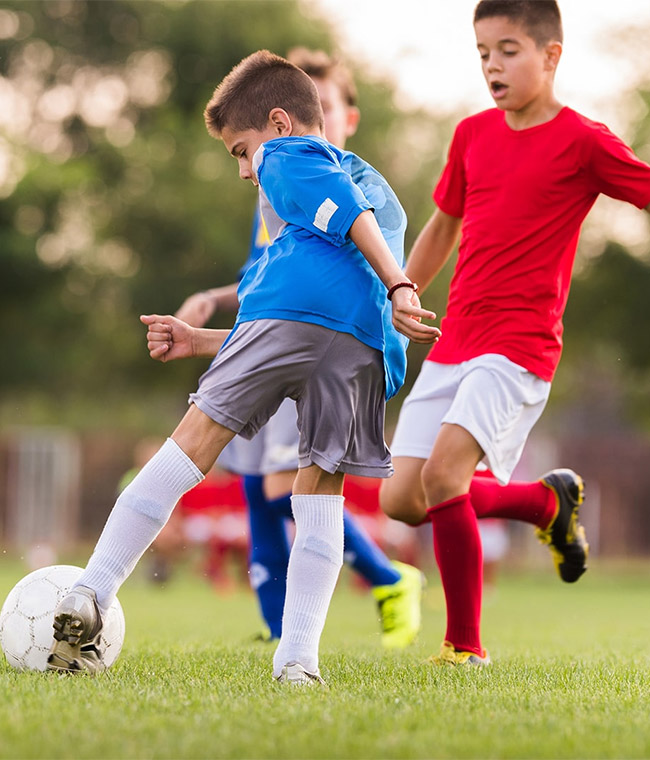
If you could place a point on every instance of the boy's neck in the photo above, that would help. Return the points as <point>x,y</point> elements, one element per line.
<point>536,113</point>
<point>303,130</point>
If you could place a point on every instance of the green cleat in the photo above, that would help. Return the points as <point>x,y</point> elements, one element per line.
<point>77,628</point>
<point>264,636</point>
<point>565,537</point>
<point>399,607</point>
<point>293,674</point>
<point>449,655</point>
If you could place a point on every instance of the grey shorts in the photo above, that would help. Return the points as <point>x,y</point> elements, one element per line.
<point>337,383</point>
<point>273,449</point>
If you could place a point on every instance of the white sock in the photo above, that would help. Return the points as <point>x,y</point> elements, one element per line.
<point>139,514</point>
<point>314,565</point>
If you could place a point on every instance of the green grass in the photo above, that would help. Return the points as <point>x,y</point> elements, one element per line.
<point>571,679</point>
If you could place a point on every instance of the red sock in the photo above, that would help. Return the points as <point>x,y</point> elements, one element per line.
<point>457,546</point>
<point>527,502</point>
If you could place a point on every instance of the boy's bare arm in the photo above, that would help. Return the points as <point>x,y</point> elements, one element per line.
<point>169,338</point>
<point>199,307</point>
<point>407,312</point>
<point>432,248</point>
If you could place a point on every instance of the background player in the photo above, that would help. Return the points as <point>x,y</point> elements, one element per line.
<point>519,180</point>
<point>269,461</point>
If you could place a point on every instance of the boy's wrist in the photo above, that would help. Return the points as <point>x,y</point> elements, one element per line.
<point>201,344</point>
<point>398,285</point>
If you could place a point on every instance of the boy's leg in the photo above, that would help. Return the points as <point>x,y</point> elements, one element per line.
<point>551,504</point>
<point>314,565</point>
<point>139,514</point>
<point>446,478</point>
<point>437,490</point>
<point>526,502</point>
<point>552,501</point>
<point>486,396</point>
<point>397,588</point>
<point>341,413</point>
<point>269,551</point>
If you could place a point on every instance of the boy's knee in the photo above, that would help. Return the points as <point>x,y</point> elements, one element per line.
<point>314,480</point>
<point>405,504</point>
<point>441,482</point>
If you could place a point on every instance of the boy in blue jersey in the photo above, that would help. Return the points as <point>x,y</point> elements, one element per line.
<point>268,462</point>
<point>318,321</point>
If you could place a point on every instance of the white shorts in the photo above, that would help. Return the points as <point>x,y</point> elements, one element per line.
<point>273,449</point>
<point>494,399</point>
<point>494,538</point>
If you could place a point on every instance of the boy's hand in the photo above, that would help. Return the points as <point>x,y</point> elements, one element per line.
<point>197,309</point>
<point>168,338</point>
<point>408,315</point>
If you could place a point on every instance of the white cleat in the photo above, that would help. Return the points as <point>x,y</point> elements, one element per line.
<point>77,629</point>
<point>294,674</point>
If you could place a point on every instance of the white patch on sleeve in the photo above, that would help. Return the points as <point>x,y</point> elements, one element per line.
<point>257,160</point>
<point>324,214</point>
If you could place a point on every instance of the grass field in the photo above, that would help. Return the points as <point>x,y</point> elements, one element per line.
<point>571,679</point>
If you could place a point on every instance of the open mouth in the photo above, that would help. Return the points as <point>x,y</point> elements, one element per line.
<point>498,89</point>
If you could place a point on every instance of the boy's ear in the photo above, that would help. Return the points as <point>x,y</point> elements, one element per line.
<point>281,122</point>
<point>352,120</point>
<point>553,53</point>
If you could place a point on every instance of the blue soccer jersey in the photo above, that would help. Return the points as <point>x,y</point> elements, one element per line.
<point>310,194</point>
<point>260,241</point>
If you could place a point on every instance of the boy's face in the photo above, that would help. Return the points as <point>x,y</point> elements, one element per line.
<point>244,144</point>
<point>341,119</point>
<point>516,70</point>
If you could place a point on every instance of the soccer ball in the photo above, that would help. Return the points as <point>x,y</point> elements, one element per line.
<point>26,618</point>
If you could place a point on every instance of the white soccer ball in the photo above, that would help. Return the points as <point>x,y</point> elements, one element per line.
<point>26,618</point>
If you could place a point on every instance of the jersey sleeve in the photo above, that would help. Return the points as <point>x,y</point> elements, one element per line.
<point>307,187</point>
<point>449,193</point>
<point>616,171</point>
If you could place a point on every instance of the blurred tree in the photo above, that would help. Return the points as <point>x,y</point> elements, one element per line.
<point>610,306</point>
<point>117,202</point>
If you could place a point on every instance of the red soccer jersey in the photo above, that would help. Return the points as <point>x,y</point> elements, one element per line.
<point>522,196</point>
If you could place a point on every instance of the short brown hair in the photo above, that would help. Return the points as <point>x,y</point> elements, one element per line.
<point>258,84</point>
<point>318,64</point>
<point>540,18</point>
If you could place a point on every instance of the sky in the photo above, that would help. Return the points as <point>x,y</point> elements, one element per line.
<point>428,46</point>
<point>429,49</point>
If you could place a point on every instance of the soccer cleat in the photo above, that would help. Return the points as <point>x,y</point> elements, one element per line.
<point>399,607</point>
<point>449,655</point>
<point>77,628</point>
<point>294,674</point>
<point>565,536</point>
<point>264,636</point>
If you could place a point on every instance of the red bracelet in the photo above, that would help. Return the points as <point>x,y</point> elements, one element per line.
<point>412,285</point>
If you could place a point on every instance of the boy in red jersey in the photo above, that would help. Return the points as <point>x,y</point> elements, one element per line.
<point>519,180</point>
